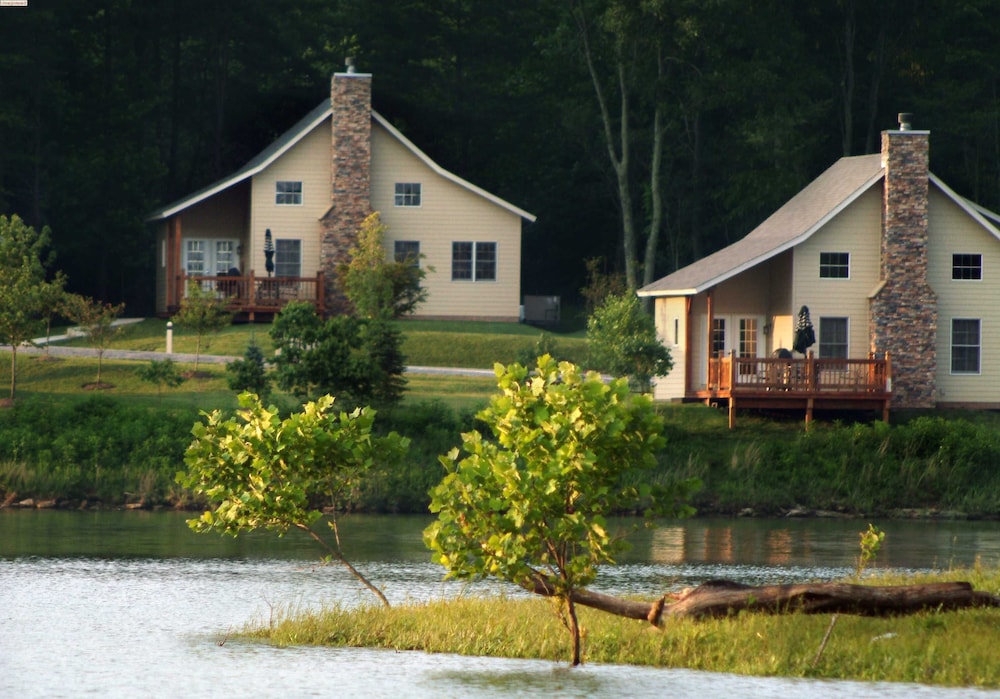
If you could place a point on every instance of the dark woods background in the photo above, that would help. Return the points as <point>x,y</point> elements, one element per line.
<point>109,108</point>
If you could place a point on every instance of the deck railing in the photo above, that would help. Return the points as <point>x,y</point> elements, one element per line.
<point>253,294</point>
<point>735,375</point>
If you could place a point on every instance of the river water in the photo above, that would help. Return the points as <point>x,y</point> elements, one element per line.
<point>134,604</point>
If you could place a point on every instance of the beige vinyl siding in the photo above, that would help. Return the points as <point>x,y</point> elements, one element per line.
<point>447,213</point>
<point>671,314</point>
<point>308,162</point>
<point>856,230</point>
<point>954,231</point>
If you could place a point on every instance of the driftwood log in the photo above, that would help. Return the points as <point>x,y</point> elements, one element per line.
<point>721,597</point>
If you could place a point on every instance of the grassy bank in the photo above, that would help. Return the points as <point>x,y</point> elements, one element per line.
<point>950,648</point>
<point>64,442</point>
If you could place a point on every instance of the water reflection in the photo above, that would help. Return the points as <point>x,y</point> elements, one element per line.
<point>125,604</point>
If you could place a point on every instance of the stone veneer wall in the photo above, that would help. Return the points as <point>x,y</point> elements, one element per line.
<point>350,190</point>
<point>904,311</point>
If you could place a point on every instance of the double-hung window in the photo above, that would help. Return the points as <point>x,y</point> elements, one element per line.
<point>407,194</point>
<point>966,345</point>
<point>833,338</point>
<point>476,262</point>
<point>967,266</point>
<point>287,257</point>
<point>834,265</point>
<point>287,193</point>
<point>407,252</point>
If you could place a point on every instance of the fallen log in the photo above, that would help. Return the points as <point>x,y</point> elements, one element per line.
<point>721,597</point>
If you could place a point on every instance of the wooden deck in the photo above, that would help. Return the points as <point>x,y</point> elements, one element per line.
<point>800,384</point>
<point>251,295</point>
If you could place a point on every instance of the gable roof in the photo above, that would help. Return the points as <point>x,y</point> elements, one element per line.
<point>796,221</point>
<point>799,218</point>
<point>295,134</point>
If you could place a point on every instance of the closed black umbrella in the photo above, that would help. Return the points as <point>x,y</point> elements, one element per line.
<point>268,252</point>
<point>805,336</point>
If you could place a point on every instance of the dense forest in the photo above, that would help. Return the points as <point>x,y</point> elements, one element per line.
<point>646,132</point>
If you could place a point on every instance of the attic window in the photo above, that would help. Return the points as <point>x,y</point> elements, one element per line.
<point>407,194</point>
<point>288,193</point>
<point>967,266</point>
<point>834,265</point>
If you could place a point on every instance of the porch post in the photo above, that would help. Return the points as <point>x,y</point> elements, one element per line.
<point>708,343</point>
<point>688,354</point>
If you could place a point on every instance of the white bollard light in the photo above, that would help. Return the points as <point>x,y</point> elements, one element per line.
<point>170,337</point>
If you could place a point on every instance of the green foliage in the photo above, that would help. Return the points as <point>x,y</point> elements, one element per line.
<point>250,373</point>
<point>600,285</point>
<point>359,361</point>
<point>545,344</point>
<point>161,373</point>
<point>204,313</point>
<point>259,471</point>
<point>378,287</point>
<point>95,449</point>
<point>22,279</point>
<point>870,544</point>
<point>96,319</point>
<point>622,339</point>
<point>530,506</point>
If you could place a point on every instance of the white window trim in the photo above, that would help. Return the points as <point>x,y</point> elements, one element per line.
<point>398,197</point>
<point>474,278</point>
<point>982,269</point>
<point>301,192</point>
<point>951,348</point>
<point>835,252</point>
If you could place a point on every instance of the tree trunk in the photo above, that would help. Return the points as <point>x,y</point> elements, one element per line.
<point>721,597</point>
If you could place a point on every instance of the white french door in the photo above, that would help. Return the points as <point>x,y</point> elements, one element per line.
<point>742,335</point>
<point>205,257</point>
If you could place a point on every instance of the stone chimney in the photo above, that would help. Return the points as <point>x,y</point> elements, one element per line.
<point>904,310</point>
<point>350,189</point>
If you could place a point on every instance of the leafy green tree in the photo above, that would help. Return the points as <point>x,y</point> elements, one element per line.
<point>260,471</point>
<point>96,319</point>
<point>250,373</point>
<point>357,360</point>
<point>376,286</point>
<point>161,373</point>
<point>22,274</point>
<point>51,302</point>
<point>204,313</point>
<point>622,341</point>
<point>530,505</point>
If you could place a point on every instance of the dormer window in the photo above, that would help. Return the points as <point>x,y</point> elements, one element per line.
<point>967,266</point>
<point>407,194</point>
<point>287,193</point>
<point>834,265</point>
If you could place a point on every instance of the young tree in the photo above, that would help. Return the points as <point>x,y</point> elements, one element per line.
<point>96,319</point>
<point>376,286</point>
<point>250,373</point>
<point>530,505</point>
<point>51,302</point>
<point>622,341</point>
<point>205,313</point>
<point>22,274</point>
<point>259,471</point>
<point>162,373</point>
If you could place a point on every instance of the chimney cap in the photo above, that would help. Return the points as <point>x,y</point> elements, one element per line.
<point>905,121</point>
<point>349,62</point>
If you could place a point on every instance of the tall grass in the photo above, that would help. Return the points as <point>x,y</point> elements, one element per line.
<point>953,648</point>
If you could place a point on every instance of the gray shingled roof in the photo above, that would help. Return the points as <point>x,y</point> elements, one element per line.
<point>794,222</point>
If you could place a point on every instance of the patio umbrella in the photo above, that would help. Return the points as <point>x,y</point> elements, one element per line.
<point>805,336</point>
<point>268,252</point>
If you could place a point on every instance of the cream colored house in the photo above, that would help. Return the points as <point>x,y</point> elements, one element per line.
<point>297,205</point>
<point>900,276</point>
